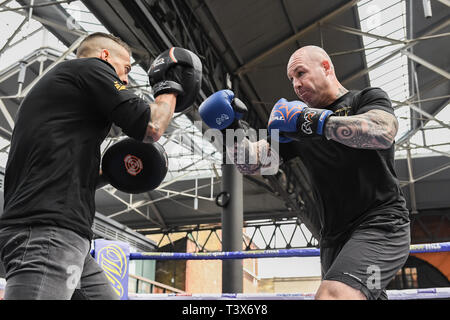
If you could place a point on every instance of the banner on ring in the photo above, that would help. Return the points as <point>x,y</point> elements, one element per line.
<point>113,257</point>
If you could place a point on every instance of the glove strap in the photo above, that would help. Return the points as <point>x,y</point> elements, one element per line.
<point>322,119</point>
<point>167,86</point>
<point>312,122</point>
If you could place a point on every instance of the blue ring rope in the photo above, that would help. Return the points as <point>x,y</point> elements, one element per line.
<point>278,253</point>
<point>408,294</point>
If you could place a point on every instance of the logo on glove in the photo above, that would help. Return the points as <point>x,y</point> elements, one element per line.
<point>276,118</point>
<point>284,112</point>
<point>223,117</point>
<point>158,62</point>
<point>306,126</point>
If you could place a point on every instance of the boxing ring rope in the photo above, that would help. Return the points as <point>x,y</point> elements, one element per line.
<point>112,249</point>
<point>408,294</point>
<point>278,253</point>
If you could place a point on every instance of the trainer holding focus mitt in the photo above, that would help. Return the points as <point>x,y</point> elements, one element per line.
<point>346,141</point>
<point>53,165</point>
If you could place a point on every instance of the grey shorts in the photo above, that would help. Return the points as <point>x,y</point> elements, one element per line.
<point>50,263</point>
<point>371,257</point>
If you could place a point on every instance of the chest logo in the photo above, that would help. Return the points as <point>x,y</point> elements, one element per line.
<point>119,86</point>
<point>343,111</point>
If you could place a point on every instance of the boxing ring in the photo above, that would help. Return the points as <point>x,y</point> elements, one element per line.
<point>114,258</point>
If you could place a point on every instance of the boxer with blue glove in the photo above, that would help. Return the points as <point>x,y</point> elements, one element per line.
<point>363,220</point>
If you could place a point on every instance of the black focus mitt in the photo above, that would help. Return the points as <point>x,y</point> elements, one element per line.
<point>177,70</point>
<point>135,167</point>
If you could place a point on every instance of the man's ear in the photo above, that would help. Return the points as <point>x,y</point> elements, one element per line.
<point>104,54</point>
<point>326,66</point>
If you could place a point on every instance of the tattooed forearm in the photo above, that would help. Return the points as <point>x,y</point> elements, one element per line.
<point>153,133</point>
<point>252,157</point>
<point>375,129</point>
<point>161,115</point>
<point>245,157</point>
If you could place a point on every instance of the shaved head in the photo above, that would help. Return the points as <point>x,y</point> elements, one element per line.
<point>94,43</point>
<point>313,77</point>
<point>108,48</point>
<point>313,54</point>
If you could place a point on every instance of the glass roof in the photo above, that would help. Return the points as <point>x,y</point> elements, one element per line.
<point>192,157</point>
<point>385,18</point>
<point>185,163</point>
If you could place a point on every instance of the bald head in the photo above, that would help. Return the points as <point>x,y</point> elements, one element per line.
<point>311,54</point>
<point>312,75</point>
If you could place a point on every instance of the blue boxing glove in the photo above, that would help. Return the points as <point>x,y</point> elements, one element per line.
<point>296,120</point>
<point>222,110</point>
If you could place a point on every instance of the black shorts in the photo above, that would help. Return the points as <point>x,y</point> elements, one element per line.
<point>371,257</point>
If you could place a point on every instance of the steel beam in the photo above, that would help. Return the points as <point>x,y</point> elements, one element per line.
<point>409,102</point>
<point>429,116</point>
<point>442,25</point>
<point>412,189</point>
<point>169,194</point>
<point>112,193</point>
<point>260,58</point>
<point>52,24</point>
<point>412,132</point>
<point>6,114</point>
<point>428,174</point>
<point>18,29</point>
<point>71,49</point>
<point>287,228</point>
<point>156,212</point>
<point>417,146</point>
<point>32,6</point>
<point>357,32</point>
<point>426,64</point>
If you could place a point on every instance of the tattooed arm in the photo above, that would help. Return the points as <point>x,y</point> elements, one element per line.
<point>254,158</point>
<point>161,113</point>
<point>375,129</point>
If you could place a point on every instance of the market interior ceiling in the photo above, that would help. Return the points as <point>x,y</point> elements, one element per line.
<point>244,45</point>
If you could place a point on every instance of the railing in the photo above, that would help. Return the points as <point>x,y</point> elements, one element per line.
<point>153,286</point>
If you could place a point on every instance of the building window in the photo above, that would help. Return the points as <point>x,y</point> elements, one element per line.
<point>406,278</point>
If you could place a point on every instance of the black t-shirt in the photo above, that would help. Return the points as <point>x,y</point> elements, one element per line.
<point>54,159</point>
<point>352,185</point>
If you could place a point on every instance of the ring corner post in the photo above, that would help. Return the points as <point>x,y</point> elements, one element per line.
<point>232,227</point>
